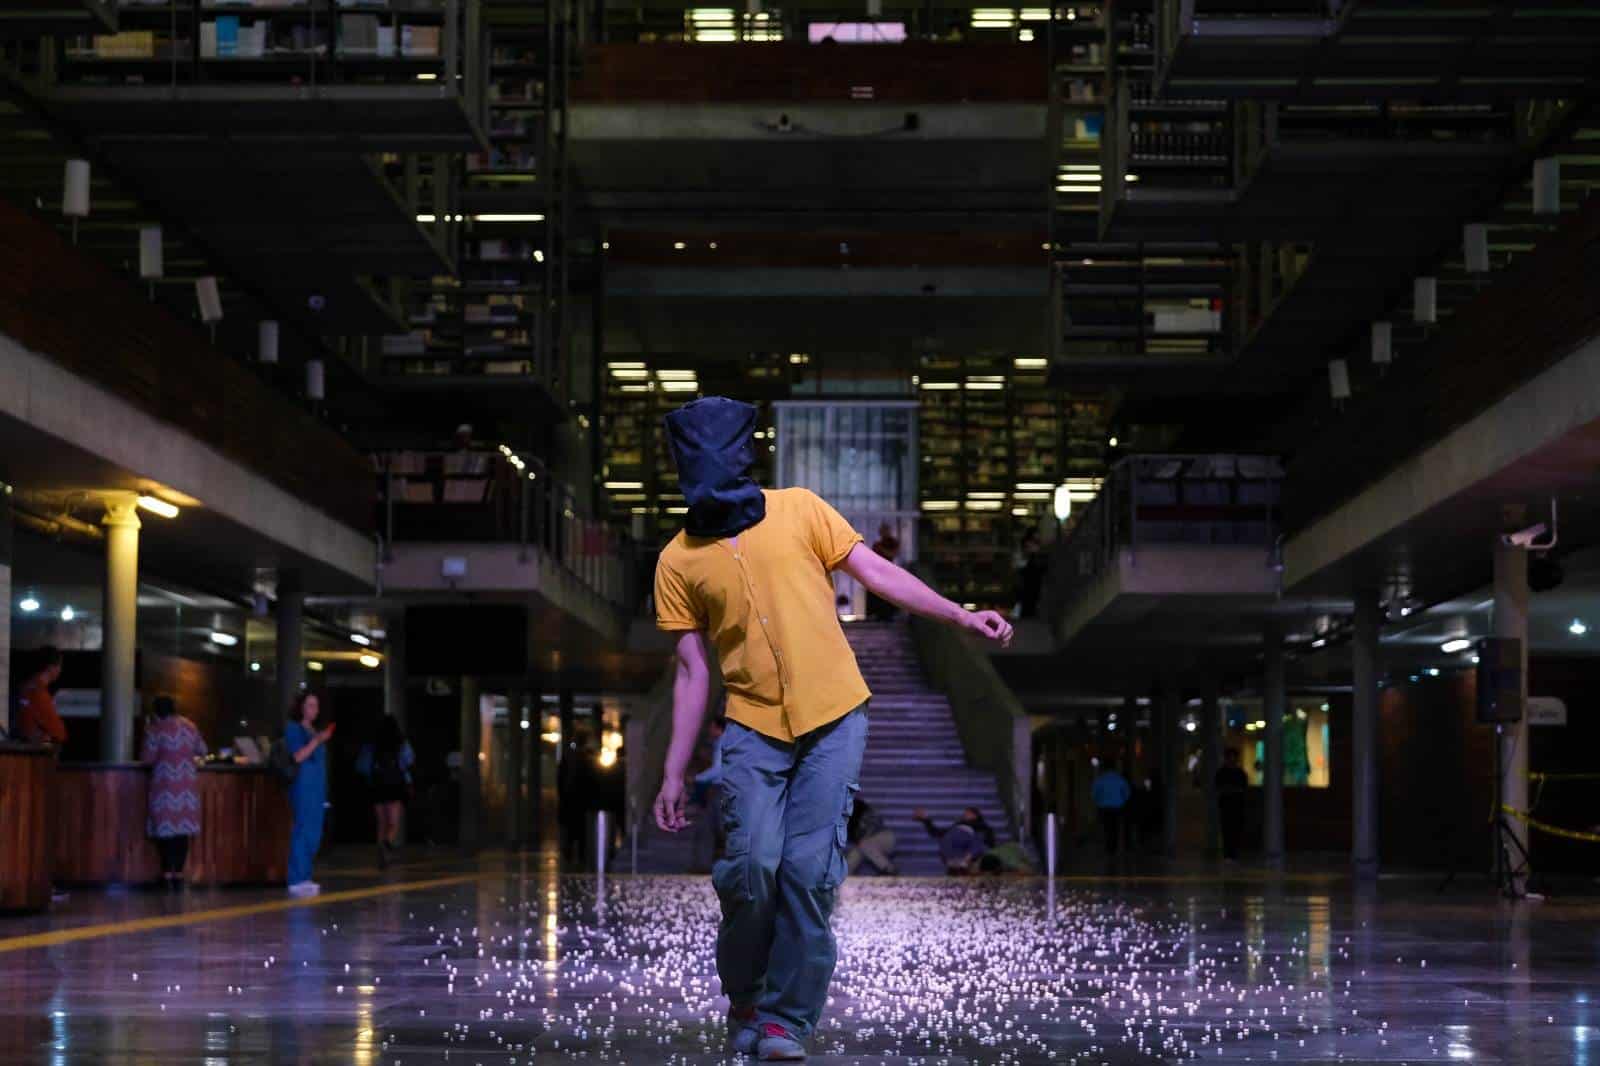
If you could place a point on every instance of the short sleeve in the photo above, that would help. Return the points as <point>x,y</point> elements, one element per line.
<point>675,605</point>
<point>830,535</point>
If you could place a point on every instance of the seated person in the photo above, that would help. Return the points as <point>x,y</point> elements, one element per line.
<point>962,844</point>
<point>871,839</point>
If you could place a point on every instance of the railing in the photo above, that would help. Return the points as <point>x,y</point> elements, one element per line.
<point>1149,500</point>
<point>500,497</point>
<point>995,730</point>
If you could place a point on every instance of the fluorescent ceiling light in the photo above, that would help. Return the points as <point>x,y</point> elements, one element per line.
<point>28,605</point>
<point>676,375</point>
<point>626,366</point>
<point>156,505</point>
<point>1577,628</point>
<point>226,640</point>
<point>1031,363</point>
<point>314,666</point>
<point>68,614</point>
<point>630,375</point>
<point>940,386</point>
<point>625,486</point>
<point>680,386</point>
<point>370,661</point>
<point>508,218</point>
<point>361,639</point>
<point>1450,647</point>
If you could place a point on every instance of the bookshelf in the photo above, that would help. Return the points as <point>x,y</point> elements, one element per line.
<point>492,318</point>
<point>282,41</point>
<point>996,439</point>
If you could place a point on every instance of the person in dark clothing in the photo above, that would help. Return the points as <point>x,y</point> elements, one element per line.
<point>1153,812</point>
<point>886,546</point>
<point>1232,784</point>
<point>870,838</point>
<point>386,764</point>
<point>1030,575</point>
<point>963,843</point>
<point>576,792</point>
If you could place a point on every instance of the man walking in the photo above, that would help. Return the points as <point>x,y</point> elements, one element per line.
<point>749,577</point>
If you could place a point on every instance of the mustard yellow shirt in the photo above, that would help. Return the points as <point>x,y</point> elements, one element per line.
<point>766,602</point>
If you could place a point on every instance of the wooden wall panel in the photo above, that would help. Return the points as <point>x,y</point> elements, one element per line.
<point>27,786</point>
<point>780,72</point>
<point>100,827</point>
<point>71,308</point>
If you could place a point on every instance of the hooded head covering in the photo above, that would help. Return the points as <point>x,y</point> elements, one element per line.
<point>713,444</point>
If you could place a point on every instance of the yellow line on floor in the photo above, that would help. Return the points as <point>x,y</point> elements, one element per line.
<point>220,914</point>
<point>1241,877</point>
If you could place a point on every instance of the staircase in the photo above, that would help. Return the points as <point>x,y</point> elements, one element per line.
<point>914,756</point>
<point>914,759</point>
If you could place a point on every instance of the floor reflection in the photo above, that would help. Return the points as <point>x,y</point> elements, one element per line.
<point>528,962</point>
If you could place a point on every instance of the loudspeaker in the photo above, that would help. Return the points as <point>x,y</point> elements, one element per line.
<point>1499,681</point>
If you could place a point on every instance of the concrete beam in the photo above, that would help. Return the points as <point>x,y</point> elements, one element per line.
<point>503,571</point>
<point>38,392</point>
<point>1564,398</point>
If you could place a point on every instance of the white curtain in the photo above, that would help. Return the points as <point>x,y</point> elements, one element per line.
<point>862,459</point>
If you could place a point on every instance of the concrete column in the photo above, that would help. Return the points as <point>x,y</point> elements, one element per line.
<point>5,607</point>
<point>1168,714</point>
<point>1275,704</point>
<point>291,662</point>
<point>516,744</point>
<point>1210,763</point>
<point>119,696</point>
<point>1364,735</point>
<point>394,665</point>
<point>471,775</point>
<point>1511,622</point>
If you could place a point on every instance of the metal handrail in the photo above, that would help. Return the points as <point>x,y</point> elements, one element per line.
<point>530,507</point>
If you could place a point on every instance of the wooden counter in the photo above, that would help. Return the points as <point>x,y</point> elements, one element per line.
<point>100,826</point>
<point>27,780</point>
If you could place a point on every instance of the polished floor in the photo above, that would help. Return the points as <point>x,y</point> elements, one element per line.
<point>510,962</point>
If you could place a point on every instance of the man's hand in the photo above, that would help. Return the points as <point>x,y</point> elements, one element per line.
<point>991,625</point>
<point>671,805</point>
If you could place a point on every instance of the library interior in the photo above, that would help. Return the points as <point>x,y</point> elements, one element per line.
<point>1235,364</point>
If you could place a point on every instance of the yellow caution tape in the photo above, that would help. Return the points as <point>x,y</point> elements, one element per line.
<point>1564,777</point>
<point>1553,830</point>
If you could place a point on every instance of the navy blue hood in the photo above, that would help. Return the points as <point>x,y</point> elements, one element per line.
<point>713,443</point>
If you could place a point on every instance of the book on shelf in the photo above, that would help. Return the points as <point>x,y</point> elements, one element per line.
<point>419,41</point>
<point>132,44</point>
<point>358,34</point>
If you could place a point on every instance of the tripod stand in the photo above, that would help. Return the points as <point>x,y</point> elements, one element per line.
<point>1507,845</point>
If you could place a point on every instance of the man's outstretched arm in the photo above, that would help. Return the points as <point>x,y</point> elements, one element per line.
<point>691,688</point>
<point>901,588</point>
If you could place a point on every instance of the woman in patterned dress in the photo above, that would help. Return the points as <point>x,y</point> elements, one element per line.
<point>171,744</point>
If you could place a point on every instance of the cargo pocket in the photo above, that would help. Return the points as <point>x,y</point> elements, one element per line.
<point>730,876</point>
<point>837,866</point>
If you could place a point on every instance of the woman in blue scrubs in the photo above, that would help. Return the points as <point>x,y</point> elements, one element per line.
<point>308,792</point>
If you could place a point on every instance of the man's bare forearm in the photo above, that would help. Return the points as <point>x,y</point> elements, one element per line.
<point>691,690</point>
<point>900,587</point>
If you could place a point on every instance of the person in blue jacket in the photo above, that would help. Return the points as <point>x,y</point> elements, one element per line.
<point>308,791</point>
